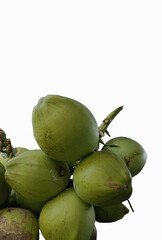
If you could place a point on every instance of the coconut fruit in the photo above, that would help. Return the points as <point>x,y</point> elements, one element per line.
<point>66,217</point>
<point>64,128</point>
<point>35,176</point>
<point>102,178</point>
<point>5,189</point>
<point>18,224</point>
<point>111,213</point>
<point>132,153</point>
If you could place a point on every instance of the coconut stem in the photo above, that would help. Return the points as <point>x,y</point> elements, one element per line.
<point>130,205</point>
<point>106,122</point>
<point>5,144</point>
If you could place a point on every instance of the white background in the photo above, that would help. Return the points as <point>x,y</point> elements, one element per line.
<point>104,54</point>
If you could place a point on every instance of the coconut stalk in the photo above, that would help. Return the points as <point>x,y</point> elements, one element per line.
<point>106,122</point>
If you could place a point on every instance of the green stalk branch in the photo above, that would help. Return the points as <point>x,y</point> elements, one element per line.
<point>106,122</point>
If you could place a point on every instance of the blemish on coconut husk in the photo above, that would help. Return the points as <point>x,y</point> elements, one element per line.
<point>3,220</point>
<point>61,171</point>
<point>127,161</point>
<point>15,236</point>
<point>11,231</point>
<point>112,185</point>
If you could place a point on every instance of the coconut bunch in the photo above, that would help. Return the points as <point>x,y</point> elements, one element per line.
<point>72,180</point>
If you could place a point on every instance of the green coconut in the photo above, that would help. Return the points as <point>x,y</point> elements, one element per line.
<point>102,178</point>
<point>64,128</point>
<point>35,176</point>
<point>111,213</point>
<point>18,224</point>
<point>5,189</point>
<point>132,153</point>
<point>66,217</point>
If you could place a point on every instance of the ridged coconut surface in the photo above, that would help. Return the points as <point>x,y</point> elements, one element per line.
<point>64,128</point>
<point>102,178</point>
<point>132,153</point>
<point>67,217</point>
<point>35,176</point>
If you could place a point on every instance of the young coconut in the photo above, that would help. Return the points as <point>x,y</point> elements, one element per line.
<point>35,176</point>
<point>5,189</point>
<point>64,128</point>
<point>110,213</point>
<point>131,152</point>
<point>102,178</point>
<point>18,224</point>
<point>66,217</point>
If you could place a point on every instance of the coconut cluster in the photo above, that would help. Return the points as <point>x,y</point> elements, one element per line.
<point>72,180</point>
